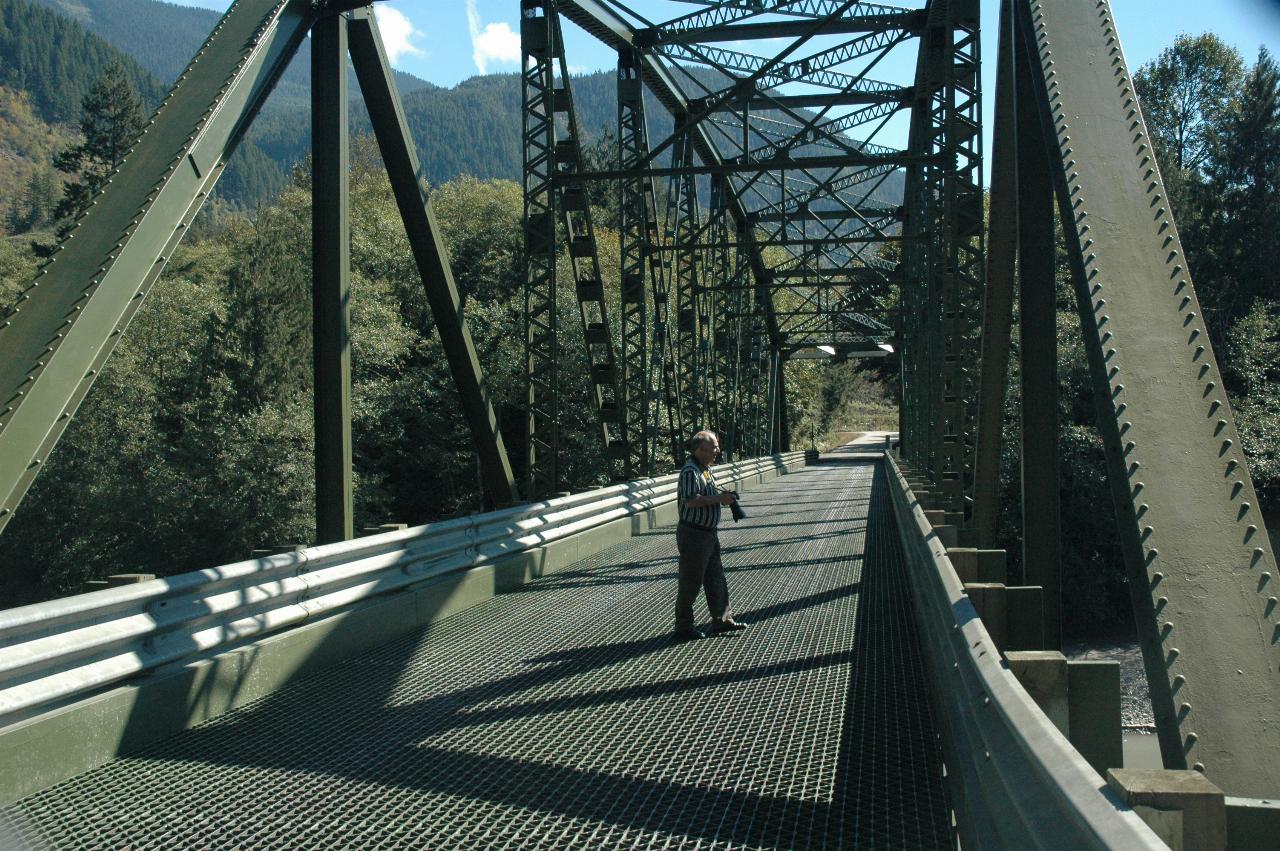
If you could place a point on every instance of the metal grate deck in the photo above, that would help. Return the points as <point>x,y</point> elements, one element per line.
<point>562,716</point>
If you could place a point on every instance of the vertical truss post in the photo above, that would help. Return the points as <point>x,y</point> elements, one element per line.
<point>759,413</point>
<point>539,49</point>
<point>662,374</point>
<point>331,279</point>
<point>634,247</point>
<point>430,254</point>
<point>778,436</point>
<point>584,258</point>
<point>736,353</point>
<point>998,301</point>
<point>682,219</point>
<point>1039,353</point>
<point>717,284</point>
<point>946,219</point>
<point>917,420</point>
<point>966,248</point>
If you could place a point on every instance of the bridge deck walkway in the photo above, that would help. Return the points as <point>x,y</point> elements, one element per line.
<point>562,715</point>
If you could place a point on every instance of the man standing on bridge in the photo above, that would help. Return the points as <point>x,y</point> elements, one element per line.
<point>699,502</point>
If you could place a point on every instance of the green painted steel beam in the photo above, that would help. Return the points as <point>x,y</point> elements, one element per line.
<point>997,305</point>
<point>1202,572</point>
<point>1038,353</point>
<point>429,253</point>
<point>68,321</point>
<point>331,274</point>
<point>852,159</point>
<point>908,21</point>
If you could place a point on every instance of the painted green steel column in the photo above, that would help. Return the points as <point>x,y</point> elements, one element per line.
<point>331,279</point>
<point>998,301</point>
<point>784,420</point>
<point>1039,347</point>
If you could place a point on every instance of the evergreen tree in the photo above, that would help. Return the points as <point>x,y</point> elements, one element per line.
<point>111,123</point>
<point>1243,185</point>
<point>36,204</point>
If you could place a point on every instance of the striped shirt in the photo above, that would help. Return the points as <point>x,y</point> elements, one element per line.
<point>697,480</point>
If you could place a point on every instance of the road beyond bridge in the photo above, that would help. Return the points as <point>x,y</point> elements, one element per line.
<point>562,715</point>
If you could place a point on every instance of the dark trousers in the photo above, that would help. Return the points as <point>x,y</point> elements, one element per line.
<point>700,566</point>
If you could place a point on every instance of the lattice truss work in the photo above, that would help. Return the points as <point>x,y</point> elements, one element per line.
<point>767,153</point>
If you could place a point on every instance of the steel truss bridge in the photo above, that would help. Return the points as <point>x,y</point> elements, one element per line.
<point>781,191</point>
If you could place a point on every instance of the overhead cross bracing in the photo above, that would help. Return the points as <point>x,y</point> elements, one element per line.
<point>767,207</point>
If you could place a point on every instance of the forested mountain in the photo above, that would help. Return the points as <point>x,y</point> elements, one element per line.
<point>55,61</point>
<point>163,37</point>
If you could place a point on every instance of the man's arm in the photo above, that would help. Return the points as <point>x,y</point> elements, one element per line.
<point>718,499</point>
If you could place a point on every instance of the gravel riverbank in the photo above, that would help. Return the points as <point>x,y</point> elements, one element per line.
<point>1135,704</point>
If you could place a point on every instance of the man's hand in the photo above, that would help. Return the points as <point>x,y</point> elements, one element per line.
<point>728,498</point>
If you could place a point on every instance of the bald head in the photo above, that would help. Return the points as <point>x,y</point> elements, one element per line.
<point>704,447</point>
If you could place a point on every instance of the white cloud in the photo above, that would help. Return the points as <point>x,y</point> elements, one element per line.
<point>493,43</point>
<point>397,32</point>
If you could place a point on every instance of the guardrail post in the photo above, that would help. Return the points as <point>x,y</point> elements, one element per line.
<point>988,599</point>
<point>1183,808</point>
<point>1043,673</point>
<point>976,565</point>
<point>1093,692</point>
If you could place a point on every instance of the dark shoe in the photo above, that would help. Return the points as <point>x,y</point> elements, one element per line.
<point>688,634</point>
<point>727,625</point>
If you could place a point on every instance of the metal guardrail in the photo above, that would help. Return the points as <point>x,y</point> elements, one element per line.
<point>1015,780</point>
<point>53,651</point>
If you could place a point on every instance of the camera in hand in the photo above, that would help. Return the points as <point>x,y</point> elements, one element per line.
<point>734,508</point>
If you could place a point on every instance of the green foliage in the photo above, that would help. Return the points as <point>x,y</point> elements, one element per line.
<point>1185,92</point>
<point>829,402</point>
<point>1252,377</point>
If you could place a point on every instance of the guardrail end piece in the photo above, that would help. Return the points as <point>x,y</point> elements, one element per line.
<point>1184,808</point>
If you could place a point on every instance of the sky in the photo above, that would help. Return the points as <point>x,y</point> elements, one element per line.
<point>448,41</point>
